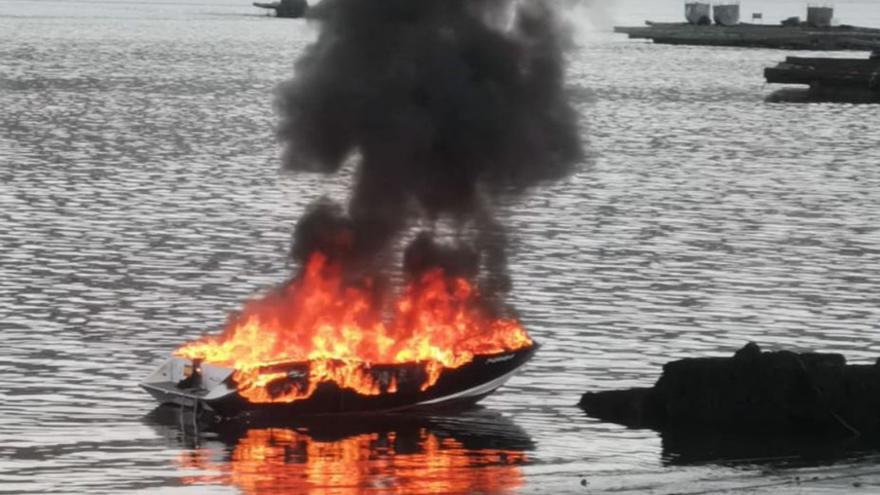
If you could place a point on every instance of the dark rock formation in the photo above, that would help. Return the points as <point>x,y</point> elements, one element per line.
<point>754,391</point>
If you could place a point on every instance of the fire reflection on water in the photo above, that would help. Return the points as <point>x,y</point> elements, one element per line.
<point>407,460</point>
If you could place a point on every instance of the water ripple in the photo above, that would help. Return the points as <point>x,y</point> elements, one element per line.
<point>140,202</point>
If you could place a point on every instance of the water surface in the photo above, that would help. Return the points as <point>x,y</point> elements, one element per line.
<point>141,201</point>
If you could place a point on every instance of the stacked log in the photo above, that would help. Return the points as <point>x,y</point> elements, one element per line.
<point>831,79</point>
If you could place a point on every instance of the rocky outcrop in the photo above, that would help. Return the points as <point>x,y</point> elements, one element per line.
<point>754,391</point>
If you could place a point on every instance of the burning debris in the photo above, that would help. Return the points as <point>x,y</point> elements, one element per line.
<point>443,107</point>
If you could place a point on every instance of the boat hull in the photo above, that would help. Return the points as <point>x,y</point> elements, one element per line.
<point>456,387</point>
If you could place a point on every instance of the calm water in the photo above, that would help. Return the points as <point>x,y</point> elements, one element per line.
<point>141,200</point>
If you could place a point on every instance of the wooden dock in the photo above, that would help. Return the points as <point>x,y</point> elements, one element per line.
<point>853,80</point>
<point>792,37</point>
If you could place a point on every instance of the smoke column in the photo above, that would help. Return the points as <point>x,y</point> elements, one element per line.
<point>444,106</point>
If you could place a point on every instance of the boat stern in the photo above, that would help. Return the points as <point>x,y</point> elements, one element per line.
<point>186,383</point>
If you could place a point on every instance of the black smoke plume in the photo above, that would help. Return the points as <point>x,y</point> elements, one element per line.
<point>443,105</point>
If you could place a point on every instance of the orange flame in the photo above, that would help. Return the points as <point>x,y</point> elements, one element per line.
<point>281,460</point>
<point>438,322</point>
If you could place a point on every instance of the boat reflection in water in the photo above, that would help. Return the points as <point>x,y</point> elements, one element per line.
<point>477,451</point>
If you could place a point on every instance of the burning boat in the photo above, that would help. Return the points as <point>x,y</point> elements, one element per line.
<point>441,112</point>
<point>316,346</point>
<point>194,384</point>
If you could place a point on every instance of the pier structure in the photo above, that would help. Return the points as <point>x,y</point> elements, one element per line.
<point>816,33</point>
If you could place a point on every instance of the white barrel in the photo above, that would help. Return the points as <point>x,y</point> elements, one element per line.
<point>820,16</point>
<point>726,14</point>
<point>698,12</point>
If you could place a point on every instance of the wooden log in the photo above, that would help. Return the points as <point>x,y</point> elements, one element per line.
<point>828,72</point>
<point>866,44</point>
